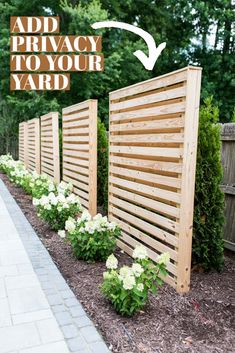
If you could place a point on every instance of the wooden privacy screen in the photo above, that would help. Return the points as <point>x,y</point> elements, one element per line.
<point>34,145</point>
<point>50,159</point>
<point>153,142</point>
<point>80,151</point>
<point>23,138</point>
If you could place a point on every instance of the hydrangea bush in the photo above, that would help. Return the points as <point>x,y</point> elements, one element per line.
<point>41,185</point>
<point>55,208</point>
<point>6,162</point>
<point>92,239</point>
<point>128,288</point>
<point>33,183</point>
<point>15,170</point>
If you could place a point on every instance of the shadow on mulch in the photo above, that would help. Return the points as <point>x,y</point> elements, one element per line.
<point>201,321</point>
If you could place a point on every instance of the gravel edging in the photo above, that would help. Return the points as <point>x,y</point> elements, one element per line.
<point>78,330</point>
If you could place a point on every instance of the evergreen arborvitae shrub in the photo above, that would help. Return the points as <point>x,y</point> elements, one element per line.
<point>208,245</point>
<point>102,167</point>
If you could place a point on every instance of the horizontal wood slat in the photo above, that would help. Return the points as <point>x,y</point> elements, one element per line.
<point>150,98</point>
<point>149,151</point>
<point>148,112</point>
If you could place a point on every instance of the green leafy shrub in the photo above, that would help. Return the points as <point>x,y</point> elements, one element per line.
<point>56,209</point>
<point>209,199</point>
<point>102,167</point>
<point>26,183</point>
<point>92,239</point>
<point>128,288</point>
<point>41,185</point>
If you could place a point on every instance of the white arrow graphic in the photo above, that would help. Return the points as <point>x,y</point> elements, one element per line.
<point>154,52</point>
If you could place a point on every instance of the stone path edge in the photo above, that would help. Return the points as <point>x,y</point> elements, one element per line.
<point>79,332</point>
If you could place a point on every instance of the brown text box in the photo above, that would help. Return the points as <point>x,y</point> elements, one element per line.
<point>39,82</point>
<point>61,44</point>
<point>63,62</point>
<point>34,24</point>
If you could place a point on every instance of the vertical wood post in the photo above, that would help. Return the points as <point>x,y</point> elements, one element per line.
<point>56,146</point>
<point>188,178</point>
<point>93,158</point>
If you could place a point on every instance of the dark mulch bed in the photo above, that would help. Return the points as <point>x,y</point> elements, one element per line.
<point>201,321</point>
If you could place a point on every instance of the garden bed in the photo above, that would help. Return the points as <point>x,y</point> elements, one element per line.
<point>201,321</point>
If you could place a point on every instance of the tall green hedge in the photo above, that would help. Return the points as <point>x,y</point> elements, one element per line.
<point>102,167</point>
<point>209,200</point>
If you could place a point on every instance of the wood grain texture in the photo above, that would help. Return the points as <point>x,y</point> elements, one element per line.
<point>50,161</point>
<point>228,183</point>
<point>80,151</point>
<point>152,159</point>
<point>23,143</point>
<point>33,145</point>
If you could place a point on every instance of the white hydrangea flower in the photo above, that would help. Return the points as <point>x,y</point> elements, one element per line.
<point>70,225</point>
<point>112,226</point>
<point>35,174</point>
<point>140,252</point>
<point>164,258</point>
<point>112,262</point>
<point>61,198</point>
<point>125,271</point>
<point>97,217</point>
<point>54,201</point>
<point>51,187</point>
<point>106,275</point>
<point>65,205</point>
<point>44,200</point>
<point>85,216</point>
<point>35,202</point>
<point>48,207</point>
<point>140,287</point>
<point>137,269</point>
<point>72,198</point>
<point>62,233</point>
<point>59,209</point>
<point>129,282</point>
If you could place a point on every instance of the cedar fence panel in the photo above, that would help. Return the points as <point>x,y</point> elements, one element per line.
<point>80,151</point>
<point>228,184</point>
<point>50,155</point>
<point>23,142</point>
<point>152,161</point>
<point>34,145</point>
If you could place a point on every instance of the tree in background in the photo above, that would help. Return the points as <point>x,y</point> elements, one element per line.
<point>208,242</point>
<point>214,49</point>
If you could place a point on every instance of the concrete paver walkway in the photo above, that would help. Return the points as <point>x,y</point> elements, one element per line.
<point>38,311</point>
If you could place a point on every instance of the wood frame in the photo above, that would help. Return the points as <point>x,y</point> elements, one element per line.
<point>152,161</point>
<point>80,151</point>
<point>23,145</point>
<point>50,151</point>
<point>34,145</point>
<point>228,182</point>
